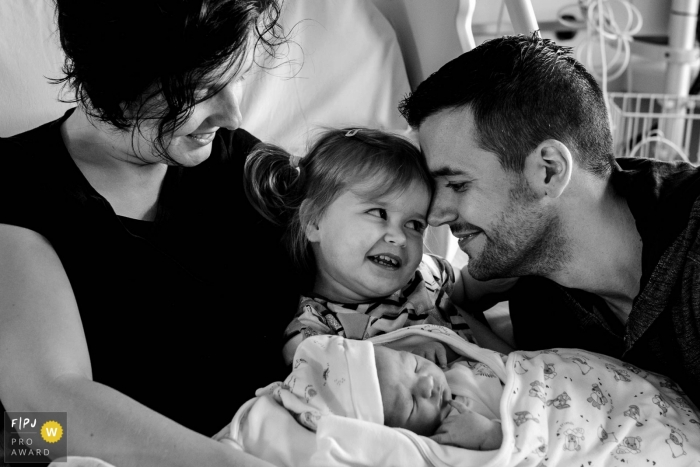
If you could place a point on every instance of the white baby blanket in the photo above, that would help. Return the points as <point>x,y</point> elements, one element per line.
<point>559,407</point>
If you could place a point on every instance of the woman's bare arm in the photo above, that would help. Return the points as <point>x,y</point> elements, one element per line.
<point>45,366</point>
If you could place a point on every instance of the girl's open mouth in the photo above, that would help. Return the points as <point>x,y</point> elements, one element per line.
<point>387,261</point>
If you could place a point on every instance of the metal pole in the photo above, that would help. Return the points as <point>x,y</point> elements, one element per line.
<point>465,15</point>
<point>681,38</point>
<point>679,58</point>
<point>522,16</point>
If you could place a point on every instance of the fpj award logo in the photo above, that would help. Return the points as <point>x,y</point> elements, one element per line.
<point>35,436</point>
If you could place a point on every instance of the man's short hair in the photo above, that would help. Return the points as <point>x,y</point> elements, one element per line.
<point>522,90</point>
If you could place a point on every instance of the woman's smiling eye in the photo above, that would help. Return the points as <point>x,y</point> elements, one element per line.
<point>201,94</point>
<point>378,212</point>
<point>205,93</point>
<point>458,187</point>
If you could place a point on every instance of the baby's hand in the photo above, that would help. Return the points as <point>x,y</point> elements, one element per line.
<point>433,351</point>
<point>468,429</point>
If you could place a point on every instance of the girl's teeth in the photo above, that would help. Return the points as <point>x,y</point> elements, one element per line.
<point>388,260</point>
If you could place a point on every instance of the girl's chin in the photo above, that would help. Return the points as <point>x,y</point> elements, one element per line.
<point>384,290</point>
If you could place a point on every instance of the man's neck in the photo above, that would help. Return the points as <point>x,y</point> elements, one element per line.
<point>606,251</point>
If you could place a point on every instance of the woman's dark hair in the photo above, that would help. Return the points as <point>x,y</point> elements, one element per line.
<point>522,90</point>
<point>296,192</point>
<point>135,61</point>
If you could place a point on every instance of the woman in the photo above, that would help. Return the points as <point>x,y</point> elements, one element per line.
<point>130,261</point>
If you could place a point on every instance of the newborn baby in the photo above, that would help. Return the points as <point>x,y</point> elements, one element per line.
<point>416,395</point>
<point>355,379</point>
<point>565,406</point>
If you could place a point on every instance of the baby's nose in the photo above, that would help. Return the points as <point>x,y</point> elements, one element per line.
<point>425,386</point>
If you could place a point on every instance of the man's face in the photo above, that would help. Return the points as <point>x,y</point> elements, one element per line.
<point>498,220</point>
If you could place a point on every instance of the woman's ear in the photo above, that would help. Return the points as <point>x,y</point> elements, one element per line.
<point>313,233</point>
<point>548,168</point>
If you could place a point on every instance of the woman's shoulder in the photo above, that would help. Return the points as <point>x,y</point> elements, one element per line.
<point>33,149</point>
<point>37,176</point>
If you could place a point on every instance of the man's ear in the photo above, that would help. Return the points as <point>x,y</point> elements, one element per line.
<point>313,233</point>
<point>548,168</point>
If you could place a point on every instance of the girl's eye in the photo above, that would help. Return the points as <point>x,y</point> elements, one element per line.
<point>378,212</point>
<point>458,187</point>
<point>418,226</point>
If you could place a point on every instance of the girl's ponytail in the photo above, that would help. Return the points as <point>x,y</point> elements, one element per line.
<point>271,180</point>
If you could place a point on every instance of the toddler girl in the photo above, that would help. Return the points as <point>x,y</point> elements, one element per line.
<point>355,209</point>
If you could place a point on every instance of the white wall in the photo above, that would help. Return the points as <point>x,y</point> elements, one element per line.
<point>426,32</point>
<point>28,99</point>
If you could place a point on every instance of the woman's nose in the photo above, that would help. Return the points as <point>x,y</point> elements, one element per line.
<point>228,108</point>
<point>424,386</point>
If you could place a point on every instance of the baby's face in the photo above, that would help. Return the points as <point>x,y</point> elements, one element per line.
<point>414,391</point>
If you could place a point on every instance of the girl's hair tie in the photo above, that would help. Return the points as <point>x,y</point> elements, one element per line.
<point>352,132</point>
<point>294,162</point>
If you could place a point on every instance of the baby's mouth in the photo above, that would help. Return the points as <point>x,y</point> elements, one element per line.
<point>386,260</point>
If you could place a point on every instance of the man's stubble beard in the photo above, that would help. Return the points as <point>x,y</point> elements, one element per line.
<point>527,240</point>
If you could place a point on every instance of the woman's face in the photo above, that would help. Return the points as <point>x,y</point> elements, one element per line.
<point>191,143</point>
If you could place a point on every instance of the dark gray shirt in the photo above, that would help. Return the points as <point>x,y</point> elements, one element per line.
<point>662,333</point>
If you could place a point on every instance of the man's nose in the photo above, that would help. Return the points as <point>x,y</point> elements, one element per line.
<point>441,211</point>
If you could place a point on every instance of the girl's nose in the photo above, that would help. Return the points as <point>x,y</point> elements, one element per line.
<point>395,236</point>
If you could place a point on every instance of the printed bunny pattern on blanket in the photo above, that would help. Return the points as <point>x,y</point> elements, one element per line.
<point>615,415</point>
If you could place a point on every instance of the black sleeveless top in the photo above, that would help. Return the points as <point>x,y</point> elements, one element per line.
<point>184,315</point>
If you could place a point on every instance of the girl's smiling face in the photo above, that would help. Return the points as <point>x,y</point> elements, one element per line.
<point>415,394</point>
<point>367,248</point>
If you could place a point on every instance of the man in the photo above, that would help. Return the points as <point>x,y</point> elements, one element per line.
<point>516,134</point>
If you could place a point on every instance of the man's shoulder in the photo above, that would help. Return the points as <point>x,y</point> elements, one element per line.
<point>660,196</point>
<point>655,182</point>
<point>694,226</point>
